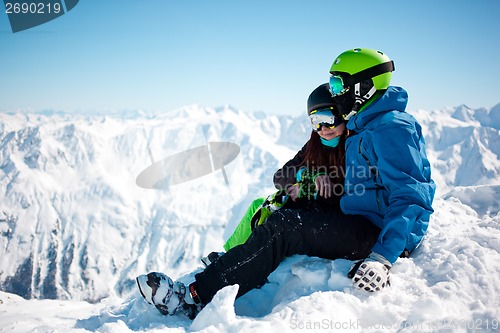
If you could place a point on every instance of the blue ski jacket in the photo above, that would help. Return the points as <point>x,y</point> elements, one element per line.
<point>388,176</point>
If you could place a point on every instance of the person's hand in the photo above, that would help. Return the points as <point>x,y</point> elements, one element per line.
<point>372,274</point>
<point>324,186</point>
<point>293,191</point>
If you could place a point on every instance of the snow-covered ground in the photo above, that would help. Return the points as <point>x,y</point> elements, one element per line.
<point>74,226</point>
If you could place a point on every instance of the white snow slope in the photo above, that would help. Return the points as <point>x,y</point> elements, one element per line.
<point>75,229</point>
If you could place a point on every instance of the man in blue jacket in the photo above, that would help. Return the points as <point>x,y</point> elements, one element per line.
<point>388,176</point>
<point>387,201</point>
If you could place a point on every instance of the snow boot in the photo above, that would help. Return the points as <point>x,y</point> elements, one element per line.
<point>167,296</point>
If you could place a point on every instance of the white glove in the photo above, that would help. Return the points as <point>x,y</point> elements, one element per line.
<point>373,273</point>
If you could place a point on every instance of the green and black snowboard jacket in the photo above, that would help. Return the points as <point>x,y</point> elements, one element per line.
<point>283,178</point>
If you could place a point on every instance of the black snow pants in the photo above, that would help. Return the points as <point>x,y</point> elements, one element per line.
<point>285,233</point>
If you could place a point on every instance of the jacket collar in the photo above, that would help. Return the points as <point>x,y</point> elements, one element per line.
<point>394,98</point>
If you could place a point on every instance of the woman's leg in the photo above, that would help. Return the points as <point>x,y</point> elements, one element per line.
<point>244,229</point>
<point>285,233</point>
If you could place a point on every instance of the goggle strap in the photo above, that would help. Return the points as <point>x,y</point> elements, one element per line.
<point>322,107</point>
<point>368,73</point>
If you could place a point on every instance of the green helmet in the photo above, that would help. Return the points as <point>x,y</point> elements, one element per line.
<point>362,73</point>
<point>362,64</point>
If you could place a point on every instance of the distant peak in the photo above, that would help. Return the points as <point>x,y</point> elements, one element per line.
<point>226,107</point>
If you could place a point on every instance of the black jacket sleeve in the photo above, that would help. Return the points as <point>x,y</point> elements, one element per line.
<point>286,176</point>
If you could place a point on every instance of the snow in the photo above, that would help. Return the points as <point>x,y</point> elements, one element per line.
<point>75,230</point>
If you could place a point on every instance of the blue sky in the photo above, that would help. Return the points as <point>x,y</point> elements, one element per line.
<point>255,55</point>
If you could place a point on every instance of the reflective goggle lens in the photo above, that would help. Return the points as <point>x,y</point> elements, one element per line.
<point>324,117</point>
<point>337,85</point>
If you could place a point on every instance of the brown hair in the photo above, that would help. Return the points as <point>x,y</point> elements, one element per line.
<point>331,161</point>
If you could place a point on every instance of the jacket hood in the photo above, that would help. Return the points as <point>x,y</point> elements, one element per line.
<point>394,98</point>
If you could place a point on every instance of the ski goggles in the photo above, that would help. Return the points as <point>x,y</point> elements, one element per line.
<point>340,85</point>
<point>324,117</point>
<point>337,86</point>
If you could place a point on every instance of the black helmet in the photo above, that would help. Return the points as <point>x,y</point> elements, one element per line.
<point>320,98</point>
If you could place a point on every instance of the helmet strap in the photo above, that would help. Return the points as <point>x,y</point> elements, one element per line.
<point>363,99</point>
<point>360,100</point>
<point>349,115</point>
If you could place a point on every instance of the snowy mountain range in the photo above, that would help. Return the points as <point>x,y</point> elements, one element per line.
<point>75,226</point>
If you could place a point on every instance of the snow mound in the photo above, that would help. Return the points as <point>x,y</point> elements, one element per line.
<point>483,199</point>
<point>451,283</point>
